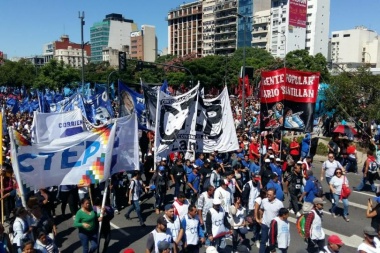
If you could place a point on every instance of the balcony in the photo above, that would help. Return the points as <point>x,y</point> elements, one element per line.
<point>259,31</point>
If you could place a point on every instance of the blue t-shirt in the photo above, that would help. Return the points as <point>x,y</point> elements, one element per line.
<point>254,168</point>
<point>277,187</point>
<point>199,162</point>
<point>309,189</point>
<point>194,180</point>
<point>276,169</point>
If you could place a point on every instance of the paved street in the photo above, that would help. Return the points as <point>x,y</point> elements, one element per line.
<point>129,233</point>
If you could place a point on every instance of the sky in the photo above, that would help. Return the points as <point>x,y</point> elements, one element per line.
<point>26,25</point>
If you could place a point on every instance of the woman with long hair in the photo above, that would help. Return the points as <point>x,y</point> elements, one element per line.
<point>336,184</point>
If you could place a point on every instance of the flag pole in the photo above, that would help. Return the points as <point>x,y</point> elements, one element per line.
<point>16,169</point>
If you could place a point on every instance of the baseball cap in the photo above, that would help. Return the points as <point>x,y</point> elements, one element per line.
<point>299,162</point>
<point>267,160</point>
<point>163,159</point>
<point>168,207</point>
<point>216,201</point>
<point>163,245</point>
<point>162,220</point>
<point>211,249</point>
<point>368,230</point>
<point>274,175</point>
<point>270,148</point>
<point>335,240</point>
<point>318,201</point>
<point>128,251</point>
<point>278,160</point>
<point>271,156</point>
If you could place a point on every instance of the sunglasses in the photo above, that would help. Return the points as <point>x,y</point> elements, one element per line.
<point>338,172</point>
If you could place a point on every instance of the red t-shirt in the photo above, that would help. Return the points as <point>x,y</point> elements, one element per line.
<point>294,151</point>
<point>255,148</point>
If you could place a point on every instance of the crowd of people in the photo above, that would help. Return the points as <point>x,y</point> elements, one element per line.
<point>218,197</point>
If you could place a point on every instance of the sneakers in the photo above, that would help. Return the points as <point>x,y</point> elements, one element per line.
<point>257,244</point>
<point>117,211</point>
<point>298,214</point>
<point>346,218</point>
<point>334,215</point>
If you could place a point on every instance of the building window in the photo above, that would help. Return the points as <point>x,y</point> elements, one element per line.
<point>346,35</point>
<point>335,35</point>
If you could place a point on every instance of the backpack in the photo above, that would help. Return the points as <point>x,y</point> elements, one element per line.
<point>318,189</point>
<point>373,167</point>
<point>300,225</point>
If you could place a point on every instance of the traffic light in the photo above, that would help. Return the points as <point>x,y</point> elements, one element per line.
<point>139,66</point>
<point>122,61</point>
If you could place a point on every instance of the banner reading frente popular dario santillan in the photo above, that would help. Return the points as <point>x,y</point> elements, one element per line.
<point>288,99</point>
<point>300,93</point>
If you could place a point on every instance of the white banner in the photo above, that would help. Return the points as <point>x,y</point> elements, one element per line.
<point>50,126</point>
<point>125,154</point>
<point>215,125</point>
<point>175,122</point>
<point>84,157</point>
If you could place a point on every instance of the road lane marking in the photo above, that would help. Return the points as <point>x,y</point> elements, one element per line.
<point>119,229</point>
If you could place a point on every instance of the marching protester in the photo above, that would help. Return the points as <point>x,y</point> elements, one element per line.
<point>44,244</point>
<point>309,191</point>
<point>269,209</point>
<point>369,245</point>
<point>215,177</point>
<point>105,230</point>
<point>194,235</point>
<point>136,188</point>
<point>160,181</point>
<point>265,173</point>
<point>181,205</point>
<point>21,229</point>
<point>174,226</point>
<point>275,183</point>
<point>158,236</point>
<point>86,220</point>
<point>178,176</point>
<point>334,243</point>
<point>69,194</point>
<point>217,225</point>
<point>238,224</point>
<point>224,194</point>
<point>5,242</point>
<point>369,172</point>
<point>328,170</point>
<point>293,183</point>
<point>279,233</point>
<point>373,212</point>
<point>194,185</point>
<point>314,233</point>
<point>204,204</point>
<point>337,183</point>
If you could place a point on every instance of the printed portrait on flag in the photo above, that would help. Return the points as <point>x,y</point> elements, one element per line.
<point>288,99</point>
<point>272,107</point>
<point>127,104</point>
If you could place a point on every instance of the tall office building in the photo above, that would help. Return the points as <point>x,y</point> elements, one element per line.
<point>185,29</point>
<point>225,26</point>
<point>244,26</point>
<point>113,32</point>
<point>288,26</point>
<point>208,23</point>
<point>355,47</point>
<point>144,44</point>
<point>318,22</point>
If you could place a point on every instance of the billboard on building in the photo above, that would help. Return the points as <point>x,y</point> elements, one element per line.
<point>298,13</point>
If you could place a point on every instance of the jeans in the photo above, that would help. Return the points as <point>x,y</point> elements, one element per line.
<point>135,206</point>
<point>264,238</point>
<point>335,204</point>
<point>236,238</point>
<point>256,229</point>
<point>282,250</point>
<point>177,187</point>
<point>160,198</point>
<point>293,201</point>
<point>219,243</point>
<point>192,249</point>
<point>352,165</point>
<point>370,178</point>
<point>207,242</point>
<point>86,238</point>
<point>329,195</point>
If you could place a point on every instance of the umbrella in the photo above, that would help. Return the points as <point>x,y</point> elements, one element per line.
<point>345,129</point>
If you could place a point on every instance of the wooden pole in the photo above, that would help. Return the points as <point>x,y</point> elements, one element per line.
<point>2,200</point>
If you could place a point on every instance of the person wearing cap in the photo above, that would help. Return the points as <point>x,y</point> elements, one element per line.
<point>275,165</point>
<point>211,249</point>
<point>136,188</point>
<point>269,209</point>
<point>205,172</point>
<point>217,225</point>
<point>158,235</point>
<point>193,232</point>
<point>174,226</point>
<point>279,233</point>
<point>204,204</point>
<point>275,183</point>
<point>265,173</point>
<point>293,183</point>
<point>334,243</point>
<point>314,233</point>
<point>369,245</point>
<point>160,181</point>
<point>178,176</point>
<point>193,184</point>
<point>224,194</point>
<point>163,247</point>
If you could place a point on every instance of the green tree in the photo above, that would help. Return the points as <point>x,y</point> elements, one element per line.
<point>18,73</point>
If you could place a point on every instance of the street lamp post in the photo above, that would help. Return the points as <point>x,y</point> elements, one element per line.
<point>81,17</point>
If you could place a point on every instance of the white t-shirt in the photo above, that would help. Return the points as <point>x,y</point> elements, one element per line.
<point>330,167</point>
<point>270,210</point>
<point>366,248</point>
<point>337,183</point>
<point>136,190</point>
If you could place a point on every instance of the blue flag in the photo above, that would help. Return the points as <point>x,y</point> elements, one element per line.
<point>132,102</point>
